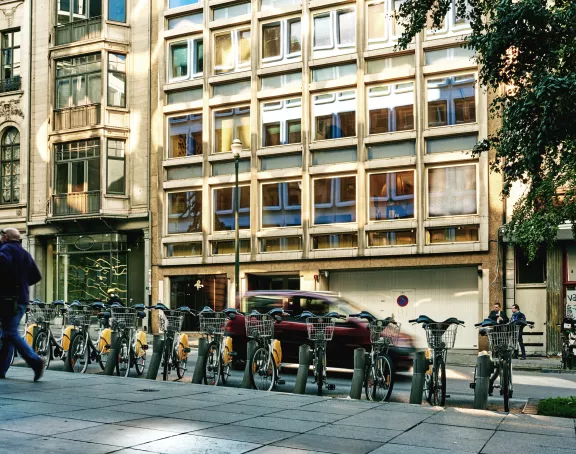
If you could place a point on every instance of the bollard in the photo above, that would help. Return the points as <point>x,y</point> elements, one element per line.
<point>199,367</point>
<point>68,362</point>
<point>250,348</point>
<point>110,368</point>
<point>482,383</point>
<point>157,351</point>
<point>303,369</point>
<point>420,366</point>
<point>358,375</point>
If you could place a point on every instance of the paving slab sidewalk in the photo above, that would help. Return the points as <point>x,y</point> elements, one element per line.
<point>63,413</point>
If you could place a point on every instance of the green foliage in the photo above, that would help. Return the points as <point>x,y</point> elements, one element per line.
<point>526,50</point>
<point>564,407</point>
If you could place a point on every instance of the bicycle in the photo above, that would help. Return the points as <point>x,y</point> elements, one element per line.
<point>82,348</point>
<point>266,360</point>
<point>320,331</point>
<point>41,315</point>
<point>502,342</point>
<point>176,349</point>
<point>379,368</point>
<point>132,342</point>
<point>568,327</point>
<point>219,354</point>
<point>440,337</point>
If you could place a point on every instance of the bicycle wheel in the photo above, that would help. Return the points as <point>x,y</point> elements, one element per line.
<point>505,384</point>
<point>319,369</point>
<point>167,357</point>
<point>383,381</point>
<point>437,391</point>
<point>41,345</point>
<point>78,354</point>
<point>262,370</point>
<point>123,364</point>
<point>103,355</point>
<point>368,378</point>
<point>212,364</point>
<point>140,363</point>
<point>180,364</point>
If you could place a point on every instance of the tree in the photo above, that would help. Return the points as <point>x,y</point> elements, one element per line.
<point>526,50</point>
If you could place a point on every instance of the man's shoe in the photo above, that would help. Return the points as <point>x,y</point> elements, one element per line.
<point>40,371</point>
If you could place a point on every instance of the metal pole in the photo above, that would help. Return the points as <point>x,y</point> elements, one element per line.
<point>420,366</point>
<point>482,383</point>
<point>237,245</point>
<point>303,369</point>
<point>358,376</point>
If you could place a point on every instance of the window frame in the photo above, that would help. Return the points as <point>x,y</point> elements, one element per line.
<point>334,29</point>
<point>213,190</point>
<point>69,163</point>
<point>115,158</point>
<point>283,202</point>
<point>240,109</point>
<point>334,97</point>
<point>12,32</point>
<point>284,120</point>
<point>335,194</point>
<point>235,40</point>
<point>392,194</point>
<point>69,78</point>
<point>125,20</point>
<point>196,190</point>
<point>193,71</point>
<point>77,17</point>
<point>447,166</point>
<point>14,191</point>
<point>392,89</point>
<point>189,116</point>
<point>448,80</point>
<point>116,72</point>
<point>285,34</point>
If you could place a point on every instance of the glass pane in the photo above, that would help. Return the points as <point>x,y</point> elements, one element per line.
<point>333,72</point>
<point>320,157</point>
<point>276,4</point>
<point>452,235</point>
<point>116,89</point>
<point>183,172</point>
<point>117,62</point>
<point>347,122</point>
<point>452,100</point>
<point>281,206</point>
<point>322,31</point>
<point>182,96</point>
<point>392,195</point>
<point>391,108</point>
<point>343,240</point>
<point>448,144</point>
<point>295,36</point>
<point>232,89</point>
<point>284,80</point>
<point>184,249</point>
<point>281,162</point>
<point>61,178</point>
<point>271,135</point>
<point>115,176</point>
<point>95,88</point>
<point>223,52</point>
<point>179,59</point>
<point>62,93</point>
<point>452,191</point>
<point>383,64</point>
<point>229,167</point>
<point>228,247</point>
<point>451,55</point>
<point>93,174</point>
<point>229,12</point>
<point>189,20</point>
<point>294,131</point>
<point>77,180</point>
<point>334,200</point>
<point>117,10</point>
<point>224,208</point>
<point>393,238</point>
<point>376,21</point>
<point>198,56</point>
<point>185,212</point>
<point>271,43</point>
<point>346,28</point>
<point>244,47</point>
<point>281,244</point>
<point>324,127</point>
<point>185,135</point>
<point>178,3</point>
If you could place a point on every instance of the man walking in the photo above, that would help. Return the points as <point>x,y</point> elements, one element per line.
<point>519,316</point>
<point>17,273</point>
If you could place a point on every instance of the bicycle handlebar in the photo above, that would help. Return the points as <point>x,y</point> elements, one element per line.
<point>308,314</point>
<point>425,320</point>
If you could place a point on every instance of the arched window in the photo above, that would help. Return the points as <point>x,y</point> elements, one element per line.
<point>10,165</point>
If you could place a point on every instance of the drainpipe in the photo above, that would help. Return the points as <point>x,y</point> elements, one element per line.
<point>149,160</point>
<point>29,127</point>
<point>504,249</point>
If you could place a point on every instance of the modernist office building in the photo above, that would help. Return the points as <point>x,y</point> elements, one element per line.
<point>355,174</point>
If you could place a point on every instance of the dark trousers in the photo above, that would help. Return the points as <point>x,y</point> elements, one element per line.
<point>521,343</point>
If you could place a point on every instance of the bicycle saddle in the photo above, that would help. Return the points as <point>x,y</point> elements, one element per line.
<point>365,315</point>
<point>231,313</point>
<point>97,305</point>
<point>427,320</point>
<point>305,314</point>
<point>159,306</point>
<point>141,314</point>
<point>139,306</point>
<point>58,303</point>
<point>183,309</point>
<point>206,309</point>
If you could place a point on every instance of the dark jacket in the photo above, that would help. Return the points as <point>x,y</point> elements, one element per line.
<point>494,316</point>
<point>17,271</point>
<point>517,316</point>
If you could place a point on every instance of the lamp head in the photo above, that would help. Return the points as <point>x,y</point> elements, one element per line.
<point>236,148</point>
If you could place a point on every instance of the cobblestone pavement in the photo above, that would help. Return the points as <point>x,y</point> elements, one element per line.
<point>93,414</point>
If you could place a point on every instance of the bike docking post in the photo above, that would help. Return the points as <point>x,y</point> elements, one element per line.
<point>157,350</point>
<point>113,356</point>
<point>303,368</point>
<point>358,375</point>
<point>199,367</point>
<point>420,366</point>
<point>68,362</point>
<point>246,382</point>
<point>482,383</point>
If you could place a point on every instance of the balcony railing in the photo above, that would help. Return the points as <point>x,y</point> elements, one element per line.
<point>76,203</point>
<point>11,84</point>
<point>79,30</point>
<point>77,117</point>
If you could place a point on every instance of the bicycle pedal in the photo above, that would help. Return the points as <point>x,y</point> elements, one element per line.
<point>331,387</point>
<point>281,382</point>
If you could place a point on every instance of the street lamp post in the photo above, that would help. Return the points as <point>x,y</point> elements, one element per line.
<point>236,148</point>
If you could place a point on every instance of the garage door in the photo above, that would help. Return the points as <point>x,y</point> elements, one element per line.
<point>436,292</point>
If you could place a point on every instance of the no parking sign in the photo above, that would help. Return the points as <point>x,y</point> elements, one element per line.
<point>402,301</point>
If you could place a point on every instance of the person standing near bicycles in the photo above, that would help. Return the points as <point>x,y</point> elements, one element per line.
<point>498,315</point>
<point>516,317</point>
<point>17,273</point>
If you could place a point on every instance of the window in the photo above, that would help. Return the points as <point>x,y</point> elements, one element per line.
<point>10,164</point>
<point>392,238</point>
<point>533,272</point>
<point>117,10</point>
<point>116,168</point>
<point>281,122</point>
<point>452,235</point>
<point>117,80</point>
<point>228,12</point>
<point>229,247</point>
<point>453,22</point>
<point>278,4</point>
<point>334,30</point>
<point>281,204</point>
<point>385,64</point>
<point>78,81</point>
<point>186,21</point>
<point>281,162</point>
<point>383,27</point>
<point>281,40</point>
<point>224,199</point>
<point>291,243</point>
<point>232,51</point>
<point>334,156</point>
<point>449,144</point>
<point>182,96</point>
<point>183,172</point>
<point>334,115</point>
<point>452,191</point>
<point>77,10</point>
<point>185,212</point>
<point>229,167</point>
<point>282,81</point>
<point>178,3</point>
<point>77,167</point>
<point>451,55</point>
<point>184,249</point>
<point>452,100</point>
<point>230,124</point>
<point>10,61</point>
<point>333,72</point>
<point>338,241</point>
<point>391,195</point>
<point>392,149</point>
<point>185,136</point>
<point>334,200</point>
<point>391,108</point>
<point>232,89</point>
<point>186,59</point>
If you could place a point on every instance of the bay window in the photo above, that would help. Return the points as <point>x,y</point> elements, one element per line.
<point>281,40</point>
<point>281,122</point>
<point>186,59</point>
<point>77,10</point>
<point>452,191</point>
<point>334,115</point>
<point>230,124</point>
<point>185,136</point>
<point>117,10</point>
<point>78,81</point>
<point>185,212</point>
<point>451,100</point>
<point>281,204</point>
<point>232,51</point>
<point>391,108</point>
<point>334,200</point>
<point>391,195</point>
<point>224,205</point>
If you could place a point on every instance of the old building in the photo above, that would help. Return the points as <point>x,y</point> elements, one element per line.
<point>354,173</point>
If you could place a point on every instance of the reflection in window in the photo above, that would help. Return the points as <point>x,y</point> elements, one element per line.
<point>291,243</point>
<point>452,235</point>
<point>281,40</point>
<point>185,212</point>
<point>193,249</point>
<point>10,60</point>
<point>334,29</point>
<point>392,195</point>
<point>333,72</point>
<point>232,51</point>
<point>78,81</point>
<point>186,59</point>
<point>281,204</point>
<point>342,240</point>
<point>185,136</point>
<point>78,10</point>
<point>116,167</point>
<point>117,10</point>
<point>335,115</point>
<point>224,208</point>
<point>235,10</point>
<point>186,21</point>
<point>230,124</point>
<point>392,238</point>
<point>334,200</point>
<point>281,122</point>
<point>452,100</point>
<point>282,81</point>
<point>117,80</point>
<point>229,247</point>
<point>452,191</point>
<point>391,108</point>
<point>385,64</point>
